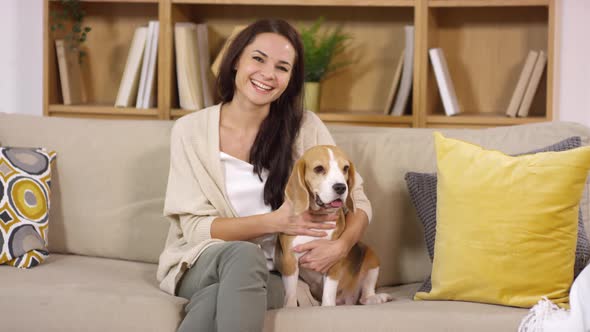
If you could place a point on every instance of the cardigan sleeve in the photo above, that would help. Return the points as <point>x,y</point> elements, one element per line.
<point>323,137</point>
<point>185,200</point>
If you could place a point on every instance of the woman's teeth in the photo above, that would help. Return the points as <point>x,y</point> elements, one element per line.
<point>261,86</point>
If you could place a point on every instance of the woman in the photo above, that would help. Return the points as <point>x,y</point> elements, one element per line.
<point>228,170</point>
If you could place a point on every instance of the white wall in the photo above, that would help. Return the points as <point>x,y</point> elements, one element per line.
<point>21,56</point>
<point>572,88</point>
<point>21,88</point>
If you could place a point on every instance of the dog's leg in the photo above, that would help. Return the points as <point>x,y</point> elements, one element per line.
<point>330,291</point>
<point>353,298</point>
<point>368,289</point>
<point>290,283</point>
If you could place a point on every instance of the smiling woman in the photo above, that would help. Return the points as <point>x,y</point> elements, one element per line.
<point>229,167</point>
<point>262,76</point>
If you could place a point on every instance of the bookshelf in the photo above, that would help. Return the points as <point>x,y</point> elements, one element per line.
<point>485,42</point>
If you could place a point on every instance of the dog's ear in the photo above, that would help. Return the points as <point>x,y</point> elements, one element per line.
<point>296,192</point>
<point>350,183</point>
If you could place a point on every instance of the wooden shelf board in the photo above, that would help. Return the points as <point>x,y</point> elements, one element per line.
<point>177,112</point>
<point>479,3</point>
<point>116,1</point>
<point>102,110</point>
<point>352,3</point>
<point>120,1</point>
<point>342,117</point>
<point>363,117</point>
<point>484,119</point>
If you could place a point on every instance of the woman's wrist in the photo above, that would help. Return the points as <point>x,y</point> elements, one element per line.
<point>346,244</point>
<point>271,222</point>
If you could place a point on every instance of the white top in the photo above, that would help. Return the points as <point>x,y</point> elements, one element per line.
<point>246,195</point>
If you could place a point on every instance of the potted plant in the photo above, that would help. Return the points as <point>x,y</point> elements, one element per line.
<point>71,14</point>
<point>319,50</point>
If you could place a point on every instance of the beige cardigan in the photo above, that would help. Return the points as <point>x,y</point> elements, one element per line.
<point>196,189</point>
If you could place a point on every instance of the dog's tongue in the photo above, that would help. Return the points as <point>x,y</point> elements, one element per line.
<point>336,204</point>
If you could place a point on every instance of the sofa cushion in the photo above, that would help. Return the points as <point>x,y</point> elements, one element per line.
<point>76,293</point>
<point>402,314</point>
<point>506,226</point>
<point>422,189</point>
<point>25,178</point>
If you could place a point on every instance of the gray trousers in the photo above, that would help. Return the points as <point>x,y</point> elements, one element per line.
<point>229,289</point>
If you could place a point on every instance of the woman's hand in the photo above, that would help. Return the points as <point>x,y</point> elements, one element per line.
<point>321,254</point>
<point>304,223</point>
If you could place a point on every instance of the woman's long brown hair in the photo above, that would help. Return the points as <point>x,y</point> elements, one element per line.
<point>273,146</point>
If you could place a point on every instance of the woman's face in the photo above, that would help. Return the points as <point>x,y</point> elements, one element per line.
<point>264,69</point>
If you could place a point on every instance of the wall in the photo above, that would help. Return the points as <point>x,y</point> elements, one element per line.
<point>21,58</point>
<point>21,63</point>
<point>572,89</point>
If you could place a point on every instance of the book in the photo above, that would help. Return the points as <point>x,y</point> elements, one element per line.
<point>184,97</point>
<point>207,80</point>
<point>149,94</point>
<point>531,89</point>
<point>394,85</point>
<point>401,99</point>
<point>143,78</point>
<point>70,74</point>
<point>522,83</point>
<point>217,62</point>
<point>446,88</point>
<point>145,65</point>
<point>127,94</point>
<point>188,66</point>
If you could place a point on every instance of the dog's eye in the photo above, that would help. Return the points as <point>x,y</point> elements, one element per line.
<point>318,169</point>
<point>345,169</point>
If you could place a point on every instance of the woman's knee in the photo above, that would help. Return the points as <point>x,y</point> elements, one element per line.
<point>246,255</point>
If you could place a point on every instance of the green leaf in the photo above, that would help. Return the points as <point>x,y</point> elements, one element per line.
<point>320,50</point>
<point>72,13</point>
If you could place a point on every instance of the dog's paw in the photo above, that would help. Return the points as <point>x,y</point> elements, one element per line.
<point>377,299</point>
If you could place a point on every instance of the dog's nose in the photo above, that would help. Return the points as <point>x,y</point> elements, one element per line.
<point>339,188</point>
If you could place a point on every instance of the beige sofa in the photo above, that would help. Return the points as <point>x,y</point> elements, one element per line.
<point>106,230</point>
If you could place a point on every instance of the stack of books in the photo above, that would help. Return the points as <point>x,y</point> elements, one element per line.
<point>193,73</point>
<point>401,88</point>
<point>527,85</point>
<point>138,84</point>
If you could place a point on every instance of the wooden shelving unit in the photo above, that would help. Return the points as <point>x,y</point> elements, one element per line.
<point>485,42</point>
<point>104,111</point>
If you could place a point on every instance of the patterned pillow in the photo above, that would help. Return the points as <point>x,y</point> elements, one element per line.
<point>25,178</point>
<point>422,188</point>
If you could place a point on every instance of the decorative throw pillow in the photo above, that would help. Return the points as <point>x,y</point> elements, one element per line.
<point>422,189</point>
<point>25,178</point>
<point>507,223</point>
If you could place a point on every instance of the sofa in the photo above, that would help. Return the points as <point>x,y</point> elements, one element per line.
<point>106,230</point>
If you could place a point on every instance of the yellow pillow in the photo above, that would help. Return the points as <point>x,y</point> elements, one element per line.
<point>506,226</point>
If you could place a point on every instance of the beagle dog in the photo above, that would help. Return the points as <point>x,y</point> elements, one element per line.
<point>321,182</point>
